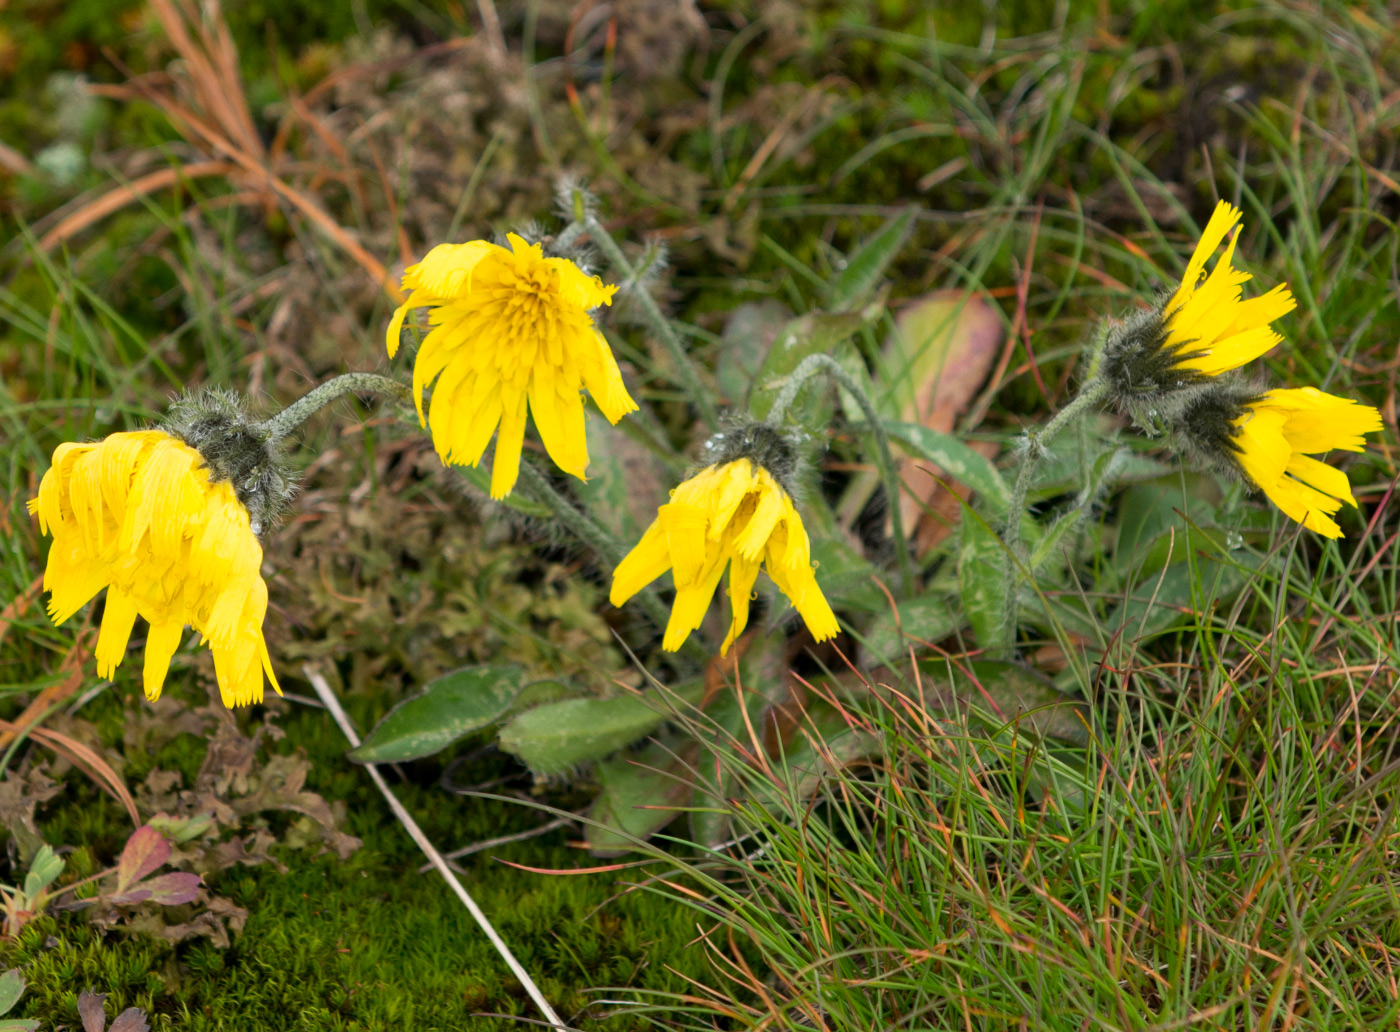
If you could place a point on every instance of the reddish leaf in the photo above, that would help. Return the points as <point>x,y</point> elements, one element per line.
<point>90,1010</point>
<point>130,1020</point>
<point>940,354</point>
<point>145,851</point>
<point>174,888</point>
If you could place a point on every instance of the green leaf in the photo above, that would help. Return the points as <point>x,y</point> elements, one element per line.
<point>925,618</point>
<point>868,264</point>
<point>11,989</point>
<point>553,738</point>
<point>749,332</point>
<point>810,334</point>
<point>448,708</point>
<point>640,795</point>
<point>961,462</point>
<point>45,869</point>
<point>1000,693</point>
<point>19,1025</point>
<point>982,581</point>
<point>1148,510</point>
<point>1054,538</point>
<point>806,763</point>
<point>1176,592</point>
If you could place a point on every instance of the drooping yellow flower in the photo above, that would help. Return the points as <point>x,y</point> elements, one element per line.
<point>136,513</point>
<point>1278,433</point>
<point>1209,328</point>
<point>732,514</point>
<point>510,327</point>
<point>1201,330</point>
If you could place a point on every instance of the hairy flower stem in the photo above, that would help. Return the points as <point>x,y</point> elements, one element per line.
<point>825,363</point>
<point>318,398</point>
<point>586,529</point>
<point>1092,393</point>
<point>685,368</point>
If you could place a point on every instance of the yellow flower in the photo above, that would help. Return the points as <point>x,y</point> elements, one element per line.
<point>136,514</point>
<point>1275,437</point>
<point>736,513</point>
<point>509,325</point>
<point>1209,329</point>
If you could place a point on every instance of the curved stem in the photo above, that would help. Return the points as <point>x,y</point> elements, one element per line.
<point>1036,441</point>
<point>685,368</point>
<point>318,398</point>
<point>825,363</point>
<point>583,527</point>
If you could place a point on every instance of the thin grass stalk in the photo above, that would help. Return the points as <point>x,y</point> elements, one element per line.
<point>328,698</point>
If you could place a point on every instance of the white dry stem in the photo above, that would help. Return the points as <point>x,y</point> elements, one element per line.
<point>430,851</point>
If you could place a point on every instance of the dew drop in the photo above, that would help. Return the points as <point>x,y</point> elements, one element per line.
<point>1234,540</point>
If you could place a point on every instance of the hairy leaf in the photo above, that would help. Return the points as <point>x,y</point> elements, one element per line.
<point>926,618</point>
<point>553,738</point>
<point>448,708</point>
<point>868,264</point>
<point>982,582</point>
<point>169,890</point>
<point>1002,693</point>
<point>639,797</point>
<point>956,458</point>
<point>810,334</point>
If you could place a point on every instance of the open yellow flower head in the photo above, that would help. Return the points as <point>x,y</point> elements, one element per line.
<point>1277,434</point>
<point>137,514</point>
<point>732,514</point>
<point>510,327</point>
<point>1201,330</point>
<point>1209,327</point>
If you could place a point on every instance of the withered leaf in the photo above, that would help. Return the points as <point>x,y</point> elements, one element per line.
<point>91,1010</point>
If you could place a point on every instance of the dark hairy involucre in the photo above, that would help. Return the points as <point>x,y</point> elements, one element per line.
<point>235,447</point>
<point>1139,366</point>
<point>773,449</point>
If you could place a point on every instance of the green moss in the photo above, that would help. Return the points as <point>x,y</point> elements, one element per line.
<point>368,943</point>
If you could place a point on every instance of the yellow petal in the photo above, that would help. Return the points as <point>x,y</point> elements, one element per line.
<point>604,380</point>
<point>685,527</point>
<point>118,618</point>
<point>1222,220</point>
<point>693,602</point>
<point>446,270</point>
<point>505,467</point>
<point>1232,352</point>
<point>161,643</point>
<point>1321,477</point>
<point>1262,310</point>
<point>742,574</point>
<point>648,560</point>
<point>800,586</point>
